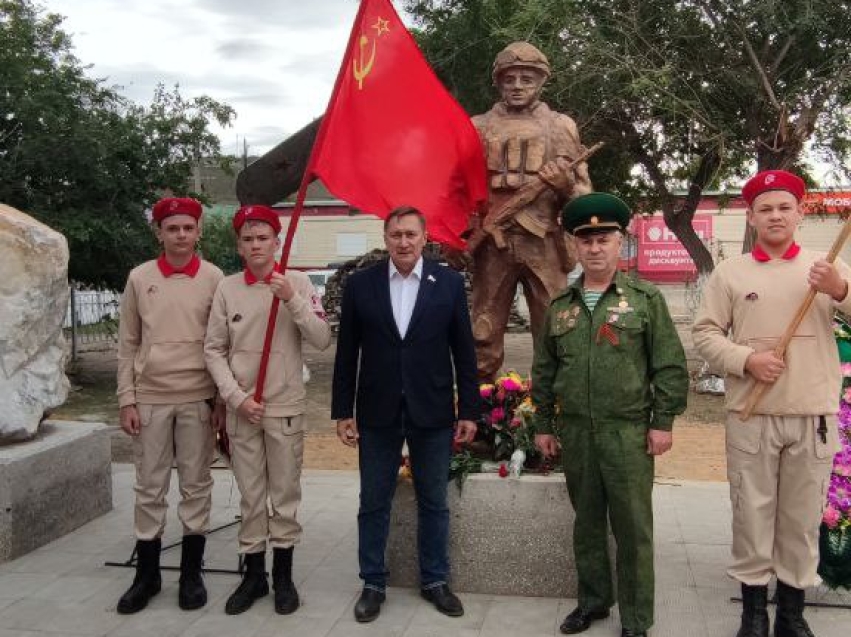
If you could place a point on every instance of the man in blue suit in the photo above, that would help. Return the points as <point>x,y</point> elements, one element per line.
<point>404,337</point>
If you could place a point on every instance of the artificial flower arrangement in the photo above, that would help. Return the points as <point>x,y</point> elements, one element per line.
<point>835,541</point>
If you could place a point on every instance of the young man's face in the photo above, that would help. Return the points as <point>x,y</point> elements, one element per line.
<point>520,87</point>
<point>599,252</point>
<point>774,216</point>
<point>405,239</point>
<point>178,235</point>
<point>257,244</point>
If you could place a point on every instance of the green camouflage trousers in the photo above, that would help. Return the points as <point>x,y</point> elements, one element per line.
<point>610,475</point>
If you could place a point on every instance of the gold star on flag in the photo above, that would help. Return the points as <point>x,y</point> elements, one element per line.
<point>381,26</point>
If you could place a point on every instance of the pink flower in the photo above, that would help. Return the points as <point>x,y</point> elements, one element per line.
<point>503,471</point>
<point>510,384</point>
<point>846,369</point>
<point>486,391</point>
<point>497,415</point>
<point>830,518</point>
<point>515,423</point>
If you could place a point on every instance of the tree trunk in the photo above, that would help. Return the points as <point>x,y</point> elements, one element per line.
<point>679,218</point>
<point>680,223</point>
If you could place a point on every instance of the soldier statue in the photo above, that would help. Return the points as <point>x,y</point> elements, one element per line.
<point>528,147</point>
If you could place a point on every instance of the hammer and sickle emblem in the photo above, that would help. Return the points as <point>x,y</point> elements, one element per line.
<point>360,66</point>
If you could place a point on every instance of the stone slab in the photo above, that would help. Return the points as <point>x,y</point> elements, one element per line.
<point>508,536</point>
<point>52,484</point>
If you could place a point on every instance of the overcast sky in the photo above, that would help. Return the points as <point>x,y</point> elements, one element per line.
<point>273,61</point>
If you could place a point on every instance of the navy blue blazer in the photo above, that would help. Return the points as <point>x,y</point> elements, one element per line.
<point>375,367</point>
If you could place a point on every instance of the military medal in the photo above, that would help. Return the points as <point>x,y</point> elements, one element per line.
<point>621,308</point>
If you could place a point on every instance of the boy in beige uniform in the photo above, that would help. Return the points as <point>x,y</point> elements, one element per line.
<point>165,395</point>
<point>267,439</point>
<point>779,460</point>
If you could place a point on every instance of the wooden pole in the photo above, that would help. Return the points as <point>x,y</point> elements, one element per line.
<point>759,388</point>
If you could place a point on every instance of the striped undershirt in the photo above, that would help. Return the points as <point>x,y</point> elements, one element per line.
<point>591,297</point>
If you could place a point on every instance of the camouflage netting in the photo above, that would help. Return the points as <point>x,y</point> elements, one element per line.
<point>334,287</point>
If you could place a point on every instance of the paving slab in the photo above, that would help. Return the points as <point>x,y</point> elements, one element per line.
<point>63,588</point>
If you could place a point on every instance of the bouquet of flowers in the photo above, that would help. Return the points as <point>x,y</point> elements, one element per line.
<point>835,541</point>
<point>507,416</point>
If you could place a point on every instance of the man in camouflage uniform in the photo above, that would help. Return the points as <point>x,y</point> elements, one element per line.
<point>524,140</point>
<point>609,376</point>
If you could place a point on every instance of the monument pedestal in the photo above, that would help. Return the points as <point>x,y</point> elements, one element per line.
<point>53,484</point>
<point>508,536</point>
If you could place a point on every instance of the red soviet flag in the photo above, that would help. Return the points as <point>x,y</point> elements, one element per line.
<point>393,135</point>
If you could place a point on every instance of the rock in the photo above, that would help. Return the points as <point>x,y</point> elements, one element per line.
<point>33,301</point>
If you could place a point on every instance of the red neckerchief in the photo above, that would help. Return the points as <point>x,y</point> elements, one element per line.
<point>190,269</point>
<point>762,256</point>
<point>250,279</point>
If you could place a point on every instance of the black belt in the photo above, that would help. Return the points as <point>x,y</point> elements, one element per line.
<point>822,429</point>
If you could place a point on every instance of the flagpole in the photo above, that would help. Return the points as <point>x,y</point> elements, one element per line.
<point>306,178</point>
<point>276,302</point>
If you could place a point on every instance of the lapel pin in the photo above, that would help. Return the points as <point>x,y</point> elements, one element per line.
<point>431,278</point>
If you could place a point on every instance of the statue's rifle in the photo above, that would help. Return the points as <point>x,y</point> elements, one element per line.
<point>494,223</point>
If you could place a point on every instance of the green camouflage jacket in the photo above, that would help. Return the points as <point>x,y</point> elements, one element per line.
<point>622,363</point>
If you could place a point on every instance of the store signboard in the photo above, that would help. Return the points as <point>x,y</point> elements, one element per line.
<point>659,250</point>
<point>835,202</point>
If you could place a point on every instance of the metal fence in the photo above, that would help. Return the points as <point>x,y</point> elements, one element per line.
<point>91,320</point>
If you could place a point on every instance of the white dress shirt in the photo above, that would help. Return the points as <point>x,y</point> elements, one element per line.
<point>403,294</point>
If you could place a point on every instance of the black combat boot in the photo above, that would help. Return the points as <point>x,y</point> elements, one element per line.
<point>147,582</point>
<point>286,596</point>
<point>192,593</point>
<point>790,621</point>
<point>754,611</point>
<point>253,586</point>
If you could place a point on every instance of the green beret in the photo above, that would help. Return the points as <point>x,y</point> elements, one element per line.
<point>595,212</point>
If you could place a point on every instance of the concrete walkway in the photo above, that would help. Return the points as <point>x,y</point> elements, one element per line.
<point>64,588</point>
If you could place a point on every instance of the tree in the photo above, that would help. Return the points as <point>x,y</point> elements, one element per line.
<point>686,93</point>
<point>80,157</point>
<point>218,243</point>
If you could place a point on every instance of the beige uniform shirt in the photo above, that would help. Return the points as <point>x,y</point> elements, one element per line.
<point>746,307</point>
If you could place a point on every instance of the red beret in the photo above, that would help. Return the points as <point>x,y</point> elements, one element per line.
<point>177,206</point>
<point>257,213</point>
<point>773,180</point>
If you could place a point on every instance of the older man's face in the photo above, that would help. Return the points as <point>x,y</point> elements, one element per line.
<point>599,252</point>
<point>405,239</point>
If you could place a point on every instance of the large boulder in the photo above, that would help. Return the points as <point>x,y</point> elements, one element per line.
<point>33,301</point>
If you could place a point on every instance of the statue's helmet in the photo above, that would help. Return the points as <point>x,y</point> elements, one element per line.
<point>520,54</point>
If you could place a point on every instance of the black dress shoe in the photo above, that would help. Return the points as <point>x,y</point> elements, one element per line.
<point>444,600</point>
<point>580,620</point>
<point>626,632</point>
<point>369,605</point>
